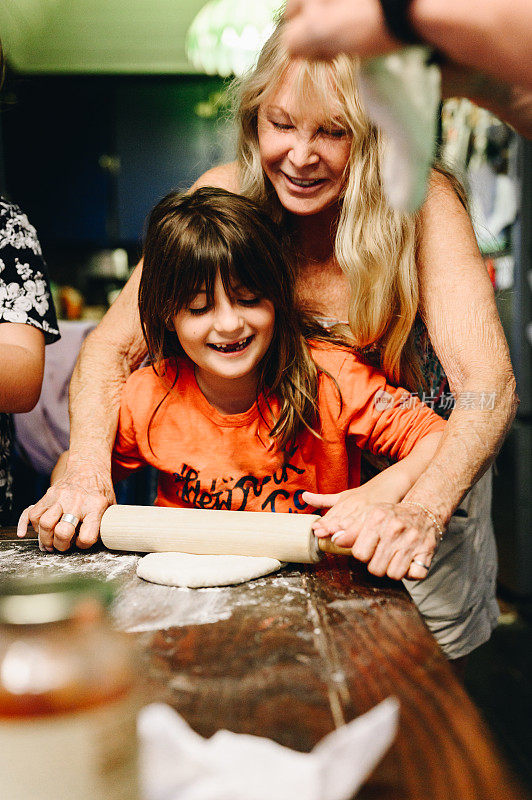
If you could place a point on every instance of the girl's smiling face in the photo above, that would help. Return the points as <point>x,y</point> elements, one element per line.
<point>226,340</point>
<point>304,151</point>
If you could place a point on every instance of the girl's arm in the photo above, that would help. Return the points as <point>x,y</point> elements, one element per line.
<point>107,357</point>
<point>356,516</point>
<point>392,484</point>
<point>21,366</point>
<point>60,468</point>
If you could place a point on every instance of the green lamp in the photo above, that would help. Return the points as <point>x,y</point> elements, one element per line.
<point>226,36</point>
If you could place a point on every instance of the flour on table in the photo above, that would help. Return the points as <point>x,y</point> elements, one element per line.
<point>184,569</point>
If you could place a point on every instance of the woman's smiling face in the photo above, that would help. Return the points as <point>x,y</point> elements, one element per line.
<point>304,152</point>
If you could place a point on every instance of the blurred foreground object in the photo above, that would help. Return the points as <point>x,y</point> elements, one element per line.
<point>484,49</point>
<point>178,764</point>
<point>401,95</point>
<point>67,705</point>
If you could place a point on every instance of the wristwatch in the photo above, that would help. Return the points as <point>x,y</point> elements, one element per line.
<point>397,18</point>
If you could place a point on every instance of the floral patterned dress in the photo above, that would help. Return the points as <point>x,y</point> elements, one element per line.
<point>25,298</point>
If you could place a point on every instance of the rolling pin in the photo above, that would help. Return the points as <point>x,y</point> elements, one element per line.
<point>158,529</point>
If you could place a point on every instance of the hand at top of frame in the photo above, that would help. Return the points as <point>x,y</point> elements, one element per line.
<point>324,28</point>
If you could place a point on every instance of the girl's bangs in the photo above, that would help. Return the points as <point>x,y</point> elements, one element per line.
<point>241,271</point>
<point>197,274</point>
<point>191,267</point>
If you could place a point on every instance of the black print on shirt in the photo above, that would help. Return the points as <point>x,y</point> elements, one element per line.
<point>225,493</point>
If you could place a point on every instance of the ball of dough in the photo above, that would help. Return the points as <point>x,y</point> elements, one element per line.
<point>184,569</point>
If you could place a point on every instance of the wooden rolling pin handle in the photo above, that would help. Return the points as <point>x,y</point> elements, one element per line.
<point>326,546</point>
<point>152,529</point>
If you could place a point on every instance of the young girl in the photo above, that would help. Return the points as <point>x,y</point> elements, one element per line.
<point>239,410</point>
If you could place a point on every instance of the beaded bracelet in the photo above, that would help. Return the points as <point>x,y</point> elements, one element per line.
<point>429,514</point>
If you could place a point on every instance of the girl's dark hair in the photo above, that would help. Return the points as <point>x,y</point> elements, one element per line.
<point>189,240</point>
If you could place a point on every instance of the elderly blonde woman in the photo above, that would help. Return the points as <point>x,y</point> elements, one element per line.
<point>409,288</point>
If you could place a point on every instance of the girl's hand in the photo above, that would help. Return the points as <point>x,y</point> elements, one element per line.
<point>341,507</point>
<point>385,536</point>
<point>390,485</point>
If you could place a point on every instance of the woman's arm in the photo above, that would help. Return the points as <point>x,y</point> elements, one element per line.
<point>21,366</point>
<point>224,176</point>
<point>458,306</point>
<point>85,489</point>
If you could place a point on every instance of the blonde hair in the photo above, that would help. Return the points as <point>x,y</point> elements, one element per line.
<point>375,246</point>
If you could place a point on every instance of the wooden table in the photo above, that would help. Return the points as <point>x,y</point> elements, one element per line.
<point>296,654</point>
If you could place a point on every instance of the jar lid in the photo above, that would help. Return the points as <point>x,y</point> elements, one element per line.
<point>43,598</point>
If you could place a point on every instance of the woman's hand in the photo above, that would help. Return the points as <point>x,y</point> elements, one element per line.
<point>391,538</point>
<point>323,28</point>
<point>83,491</point>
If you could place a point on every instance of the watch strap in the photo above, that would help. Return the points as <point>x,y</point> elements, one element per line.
<point>397,18</point>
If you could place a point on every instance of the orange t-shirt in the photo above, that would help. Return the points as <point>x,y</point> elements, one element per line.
<point>207,459</point>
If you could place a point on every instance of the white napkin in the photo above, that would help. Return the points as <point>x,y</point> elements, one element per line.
<point>178,764</point>
<point>401,95</point>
